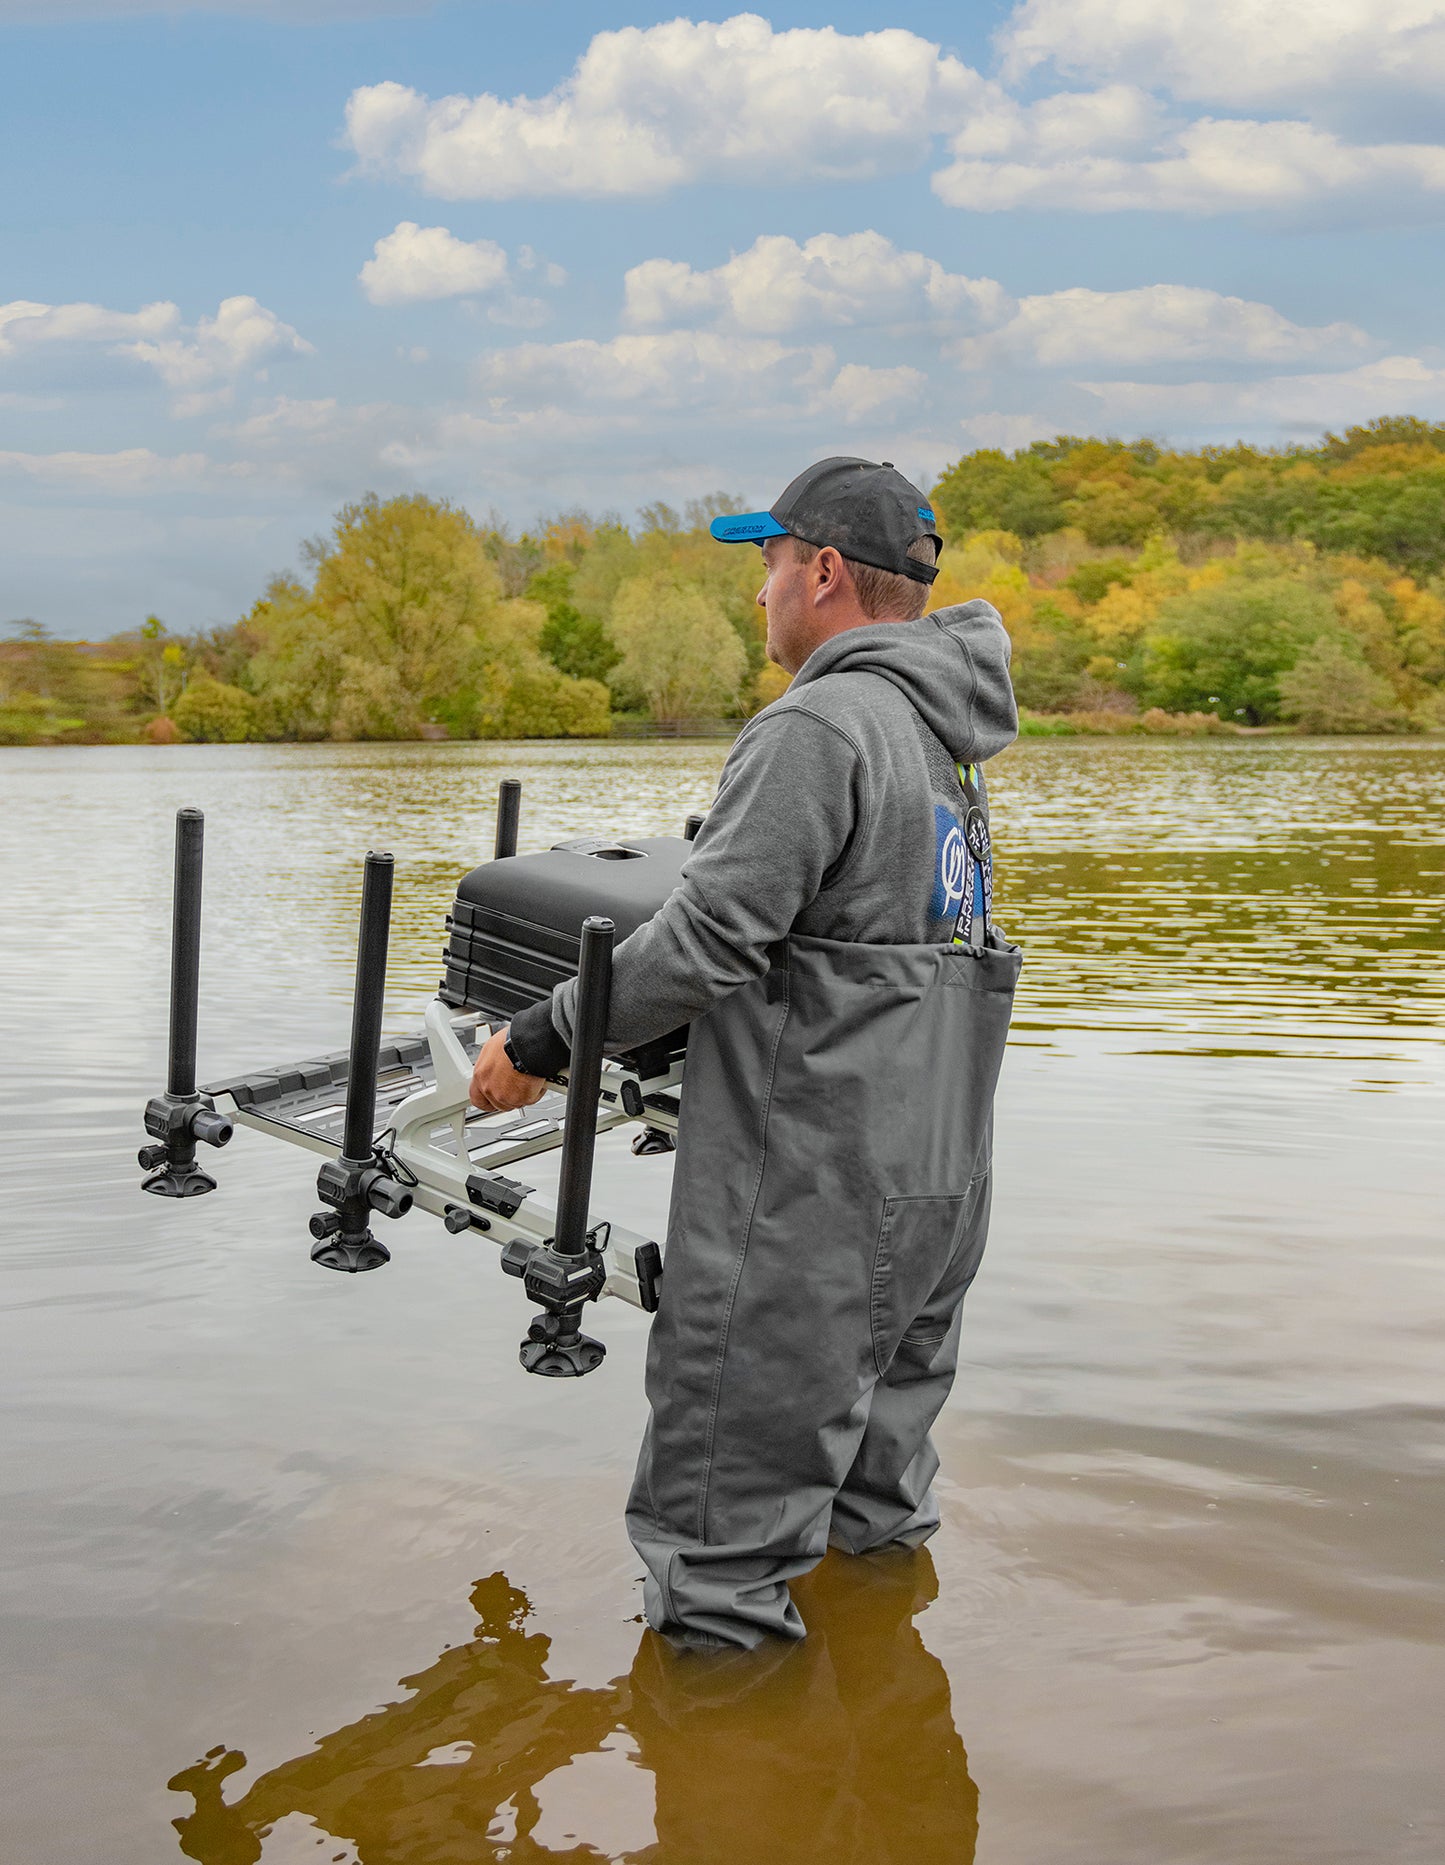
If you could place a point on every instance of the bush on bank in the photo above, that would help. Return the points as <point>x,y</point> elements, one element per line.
<point>1145,590</point>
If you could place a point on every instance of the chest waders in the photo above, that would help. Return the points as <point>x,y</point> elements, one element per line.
<point>829,1211</point>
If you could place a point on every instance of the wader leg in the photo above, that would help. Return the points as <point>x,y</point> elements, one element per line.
<point>793,1434</point>
<point>730,1591</point>
<point>756,1417</point>
<point>887,1497</point>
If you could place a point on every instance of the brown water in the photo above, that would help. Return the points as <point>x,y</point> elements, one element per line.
<point>323,1532</point>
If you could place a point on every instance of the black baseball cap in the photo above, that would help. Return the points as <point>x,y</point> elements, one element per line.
<point>864,508</point>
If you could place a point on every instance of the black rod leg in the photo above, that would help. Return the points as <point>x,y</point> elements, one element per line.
<point>567,1272</point>
<point>179,1117</point>
<point>509,816</point>
<point>356,1184</point>
<point>186,952</point>
<point>584,1084</point>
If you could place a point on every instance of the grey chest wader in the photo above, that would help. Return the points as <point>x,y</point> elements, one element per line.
<point>829,1212</point>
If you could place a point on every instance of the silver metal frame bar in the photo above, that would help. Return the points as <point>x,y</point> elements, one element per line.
<point>436,1129</point>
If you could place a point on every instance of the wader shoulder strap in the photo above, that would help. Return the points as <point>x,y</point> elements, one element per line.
<point>975,912</point>
<point>976,908</point>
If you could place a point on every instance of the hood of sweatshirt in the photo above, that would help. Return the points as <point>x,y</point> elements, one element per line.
<point>952,666</point>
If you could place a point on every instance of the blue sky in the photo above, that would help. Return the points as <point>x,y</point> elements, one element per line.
<point>263,257</point>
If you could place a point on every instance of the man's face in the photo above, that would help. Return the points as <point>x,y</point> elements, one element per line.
<point>786,597</point>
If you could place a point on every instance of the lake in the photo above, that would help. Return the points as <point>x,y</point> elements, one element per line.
<point>307,1564</point>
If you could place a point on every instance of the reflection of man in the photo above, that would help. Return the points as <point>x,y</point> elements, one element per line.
<point>840,1750</point>
<point>829,947</point>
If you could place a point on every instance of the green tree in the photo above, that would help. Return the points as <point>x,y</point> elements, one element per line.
<point>41,687</point>
<point>1222,648</point>
<point>1329,689</point>
<point>678,648</point>
<point>1397,516</point>
<point>577,644</point>
<point>404,626</point>
<point>989,491</point>
<point>211,713</point>
<point>539,702</point>
<point>160,664</point>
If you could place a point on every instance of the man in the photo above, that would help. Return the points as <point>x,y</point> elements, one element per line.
<point>848,1007</point>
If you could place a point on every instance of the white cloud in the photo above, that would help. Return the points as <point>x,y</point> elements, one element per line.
<point>729,376</point>
<point>529,260</point>
<point>131,470</point>
<point>1208,167</point>
<point>650,108</point>
<point>1149,325</point>
<point>23,323</point>
<point>1297,403</point>
<point>1119,119</point>
<point>778,285</point>
<point>1235,52</point>
<point>1008,431</point>
<point>859,392</point>
<point>242,334</point>
<point>681,368</point>
<point>414,263</point>
<point>202,360</point>
<point>284,419</point>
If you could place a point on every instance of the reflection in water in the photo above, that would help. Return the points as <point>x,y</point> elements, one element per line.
<point>841,1748</point>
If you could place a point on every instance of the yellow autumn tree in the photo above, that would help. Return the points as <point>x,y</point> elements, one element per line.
<point>679,650</point>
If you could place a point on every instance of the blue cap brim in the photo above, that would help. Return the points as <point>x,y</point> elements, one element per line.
<point>746,528</point>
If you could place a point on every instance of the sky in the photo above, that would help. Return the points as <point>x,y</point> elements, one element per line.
<point>264,256</point>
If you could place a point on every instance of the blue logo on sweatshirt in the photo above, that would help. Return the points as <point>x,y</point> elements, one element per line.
<point>951,865</point>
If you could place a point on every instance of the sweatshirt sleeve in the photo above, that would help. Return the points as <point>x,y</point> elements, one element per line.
<point>791,795</point>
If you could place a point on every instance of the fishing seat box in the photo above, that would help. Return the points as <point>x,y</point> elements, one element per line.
<point>515,928</point>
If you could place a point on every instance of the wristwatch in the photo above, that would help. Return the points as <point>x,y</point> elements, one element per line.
<point>511,1054</point>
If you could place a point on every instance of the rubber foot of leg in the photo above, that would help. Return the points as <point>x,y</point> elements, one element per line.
<point>179,1182</point>
<point>563,1360</point>
<point>351,1255</point>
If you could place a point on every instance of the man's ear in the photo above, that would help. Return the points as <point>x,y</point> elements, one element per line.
<point>830,573</point>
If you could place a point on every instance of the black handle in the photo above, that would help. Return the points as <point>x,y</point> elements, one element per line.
<point>185,953</point>
<point>366,1008</point>
<point>584,1083</point>
<point>509,816</point>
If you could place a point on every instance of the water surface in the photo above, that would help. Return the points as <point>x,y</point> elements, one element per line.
<point>306,1565</point>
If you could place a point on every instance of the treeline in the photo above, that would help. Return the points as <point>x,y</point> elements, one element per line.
<point>414,621</point>
<point>1218,587</point>
<point>1145,589</point>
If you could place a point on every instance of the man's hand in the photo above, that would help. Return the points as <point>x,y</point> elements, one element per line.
<point>497,1087</point>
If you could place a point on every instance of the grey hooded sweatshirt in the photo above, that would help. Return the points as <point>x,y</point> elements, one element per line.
<point>830,1197</point>
<point>838,816</point>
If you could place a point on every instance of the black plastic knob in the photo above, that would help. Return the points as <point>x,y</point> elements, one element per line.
<point>387,1196</point>
<point>212,1128</point>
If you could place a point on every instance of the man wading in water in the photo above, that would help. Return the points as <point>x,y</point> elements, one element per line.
<point>829,946</point>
